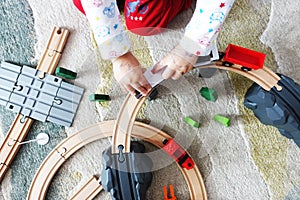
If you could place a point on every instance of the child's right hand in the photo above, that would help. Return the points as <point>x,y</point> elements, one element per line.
<point>129,74</point>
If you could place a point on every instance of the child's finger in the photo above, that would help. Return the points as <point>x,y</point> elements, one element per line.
<point>168,73</point>
<point>144,69</point>
<point>141,89</point>
<point>130,89</point>
<point>135,87</point>
<point>147,87</point>
<point>158,67</point>
<point>177,75</point>
<point>143,82</point>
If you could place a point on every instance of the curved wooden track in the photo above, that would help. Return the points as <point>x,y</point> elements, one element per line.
<point>127,114</point>
<point>124,122</point>
<point>124,127</point>
<point>70,145</point>
<point>264,77</point>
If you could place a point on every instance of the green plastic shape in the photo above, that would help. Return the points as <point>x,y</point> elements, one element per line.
<point>65,73</point>
<point>222,120</point>
<point>99,97</point>
<point>192,122</point>
<point>209,94</point>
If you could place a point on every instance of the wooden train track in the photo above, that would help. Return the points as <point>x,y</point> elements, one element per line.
<point>70,145</point>
<point>127,114</point>
<point>124,123</point>
<point>126,117</point>
<point>20,127</point>
<point>264,77</point>
<point>121,133</point>
<point>89,190</point>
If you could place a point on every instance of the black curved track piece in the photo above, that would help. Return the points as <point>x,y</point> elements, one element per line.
<point>280,109</point>
<point>126,176</point>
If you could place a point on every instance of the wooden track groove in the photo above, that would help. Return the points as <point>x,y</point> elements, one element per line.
<point>121,133</point>
<point>89,190</point>
<point>127,114</point>
<point>263,77</point>
<point>124,123</point>
<point>20,127</point>
<point>54,160</point>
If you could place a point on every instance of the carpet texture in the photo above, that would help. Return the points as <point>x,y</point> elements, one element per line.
<point>246,160</point>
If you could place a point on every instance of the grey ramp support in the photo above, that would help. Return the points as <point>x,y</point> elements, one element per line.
<point>66,103</point>
<point>9,74</point>
<point>280,109</point>
<point>35,97</point>
<point>47,99</point>
<point>126,176</point>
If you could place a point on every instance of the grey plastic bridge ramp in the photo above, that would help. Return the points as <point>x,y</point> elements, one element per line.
<point>47,99</point>
<point>9,74</point>
<point>128,177</point>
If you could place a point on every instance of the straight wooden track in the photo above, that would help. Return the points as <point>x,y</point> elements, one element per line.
<point>21,126</point>
<point>89,190</point>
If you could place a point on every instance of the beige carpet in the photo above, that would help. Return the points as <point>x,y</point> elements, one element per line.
<point>244,161</point>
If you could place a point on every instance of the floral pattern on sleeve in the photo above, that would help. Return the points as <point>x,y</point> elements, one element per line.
<point>202,31</point>
<point>105,20</point>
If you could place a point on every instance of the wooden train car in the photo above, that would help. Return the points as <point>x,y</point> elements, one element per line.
<point>178,154</point>
<point>247,58</point>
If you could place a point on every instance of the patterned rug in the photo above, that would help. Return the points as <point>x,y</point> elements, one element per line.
<point>246,160</point>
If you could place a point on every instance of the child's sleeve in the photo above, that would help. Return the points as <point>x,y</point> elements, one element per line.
<point>203,29</point>
<point>105,21</point>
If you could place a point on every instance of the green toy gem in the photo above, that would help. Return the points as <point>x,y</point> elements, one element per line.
<point>65,73</point>
<point>209,94</point>
<point>99,97</point>
<point>222,120</point>
<point>192,122</point>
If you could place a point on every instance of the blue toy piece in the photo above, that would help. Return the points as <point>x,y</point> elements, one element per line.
<point>47,99</point>
<point>277,108</point>
<point>126,175</point>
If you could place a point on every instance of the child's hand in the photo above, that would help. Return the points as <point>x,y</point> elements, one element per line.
<point>177,62</point>
<point>129,74</point>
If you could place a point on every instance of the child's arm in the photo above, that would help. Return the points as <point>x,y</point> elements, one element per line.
<point>105,20</point>
<point>199,38</point>
<point>113,43</point>
<point>202,31</point>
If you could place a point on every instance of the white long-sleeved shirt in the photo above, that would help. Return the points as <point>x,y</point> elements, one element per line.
<point>199,37</point>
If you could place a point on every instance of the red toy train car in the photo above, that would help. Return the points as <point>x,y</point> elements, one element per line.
<point>178,154</point>
<point>247,58</point>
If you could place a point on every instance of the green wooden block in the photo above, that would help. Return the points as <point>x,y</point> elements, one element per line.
<point>209,94</point>
<point>65,73</point>
<point>192,122</point>
<point>99,97</point>
<point>222,120</point>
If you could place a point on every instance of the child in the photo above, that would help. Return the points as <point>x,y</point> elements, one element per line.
<point>148,17</point>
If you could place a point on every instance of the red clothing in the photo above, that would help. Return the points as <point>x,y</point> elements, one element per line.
<point>146,17</point>
<point>154,14</point>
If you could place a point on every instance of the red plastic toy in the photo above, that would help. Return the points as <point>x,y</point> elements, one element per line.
<point>172,193</point>
<point>178,153</point>
<point>249,59</point>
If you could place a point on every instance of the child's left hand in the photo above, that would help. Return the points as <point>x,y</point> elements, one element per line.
<point>177,62</point>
